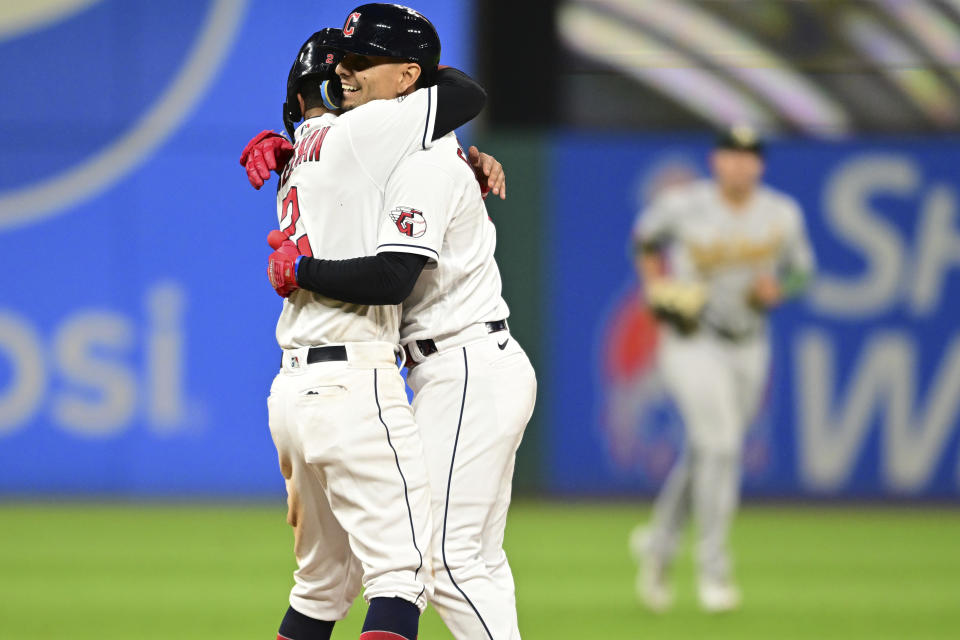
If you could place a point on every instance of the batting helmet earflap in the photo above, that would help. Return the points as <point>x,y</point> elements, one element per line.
<point>317,61</point>
<point>394,31</point>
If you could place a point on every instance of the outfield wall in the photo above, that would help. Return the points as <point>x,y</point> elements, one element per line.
<point>136,324</point>
<point>864,391</point>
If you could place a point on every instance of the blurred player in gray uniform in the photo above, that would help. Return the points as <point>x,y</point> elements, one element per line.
<point>714,256</point>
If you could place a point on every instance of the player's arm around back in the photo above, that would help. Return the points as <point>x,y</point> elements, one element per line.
<point>384,279</point>
<point>415,216</point>
<point>383,132</point>
<point>419,204</point>
<point>460,99</point>
<point>454,100</point>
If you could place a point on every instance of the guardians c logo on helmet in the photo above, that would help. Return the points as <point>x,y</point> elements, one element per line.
<point>351,24</point>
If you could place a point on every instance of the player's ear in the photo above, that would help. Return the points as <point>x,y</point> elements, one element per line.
<point>409,76</point>
<point>300,100</point>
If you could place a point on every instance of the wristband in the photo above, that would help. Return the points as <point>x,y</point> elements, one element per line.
<point>793,283</point>
<point>296,268</point>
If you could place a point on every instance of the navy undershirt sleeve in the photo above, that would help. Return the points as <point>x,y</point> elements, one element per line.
<point>459,100</point>
<point>386,278</point>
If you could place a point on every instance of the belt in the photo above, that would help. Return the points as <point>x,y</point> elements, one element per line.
<point>731,336</point>
<point>362,355</point>
<point>428,347</point>
<point>334,353</point>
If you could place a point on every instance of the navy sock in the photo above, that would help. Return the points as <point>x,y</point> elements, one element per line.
<point>392,615</point>
<point>296,626</point>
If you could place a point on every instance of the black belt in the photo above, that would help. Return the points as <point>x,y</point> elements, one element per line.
<point>731,336</point>
<point>428,347</point>
<point>334,353</point>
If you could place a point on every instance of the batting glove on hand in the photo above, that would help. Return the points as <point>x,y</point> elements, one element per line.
<point>282,264</point>
<point>267,151</point>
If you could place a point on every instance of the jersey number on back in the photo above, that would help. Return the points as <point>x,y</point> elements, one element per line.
<point>294,230</point>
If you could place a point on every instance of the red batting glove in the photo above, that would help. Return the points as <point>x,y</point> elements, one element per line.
<point>282,264</point>
<point>267,151</point>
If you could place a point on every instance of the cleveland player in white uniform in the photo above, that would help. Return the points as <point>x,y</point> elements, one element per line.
<point>348,445</point>
<point>714,257</point>
<point>474,388</point>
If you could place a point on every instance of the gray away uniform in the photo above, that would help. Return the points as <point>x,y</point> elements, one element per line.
<point>717,375</point>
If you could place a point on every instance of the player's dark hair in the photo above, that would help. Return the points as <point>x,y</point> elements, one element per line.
<point>309,88</point>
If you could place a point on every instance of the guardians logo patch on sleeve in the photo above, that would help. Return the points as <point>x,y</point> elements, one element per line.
<point>410,222</point>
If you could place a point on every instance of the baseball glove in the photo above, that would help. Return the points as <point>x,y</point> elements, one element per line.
<point>677,303</point>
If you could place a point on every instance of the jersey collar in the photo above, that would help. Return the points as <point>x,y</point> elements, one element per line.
<point>311,124</point>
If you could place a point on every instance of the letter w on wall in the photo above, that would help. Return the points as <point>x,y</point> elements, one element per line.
<point>884,382</point>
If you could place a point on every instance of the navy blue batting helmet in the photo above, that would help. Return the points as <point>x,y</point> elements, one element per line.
<point>393,31</point>
<point>316,62</point>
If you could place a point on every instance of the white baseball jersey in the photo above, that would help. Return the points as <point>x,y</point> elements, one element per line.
<point>472,401</point>
<point>329,201</point>
<point>433,207</point>
<point>707,240</point>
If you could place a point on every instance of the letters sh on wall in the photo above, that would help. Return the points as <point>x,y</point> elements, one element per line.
<point>863,398</point>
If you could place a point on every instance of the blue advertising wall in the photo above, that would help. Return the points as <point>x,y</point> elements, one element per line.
<point>136,322</point>
<point>864,390</point>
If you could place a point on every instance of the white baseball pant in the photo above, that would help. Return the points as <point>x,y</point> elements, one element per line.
<point>717,385</point>
<point>472,403</point>
<point>358,498</point>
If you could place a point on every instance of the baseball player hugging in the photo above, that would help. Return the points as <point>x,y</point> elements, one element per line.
<point>715,256</point>
<point>365,225</point>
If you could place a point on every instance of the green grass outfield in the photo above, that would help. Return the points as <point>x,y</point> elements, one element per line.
<point>177,572</point>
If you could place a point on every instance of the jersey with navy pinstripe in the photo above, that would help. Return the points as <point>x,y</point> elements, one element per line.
<point>329,200</point>
<point>432,207</point>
